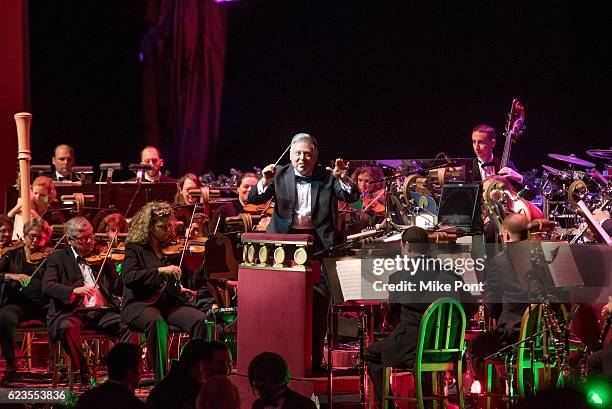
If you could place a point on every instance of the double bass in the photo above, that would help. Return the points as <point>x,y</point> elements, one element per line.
<point>500,189</point>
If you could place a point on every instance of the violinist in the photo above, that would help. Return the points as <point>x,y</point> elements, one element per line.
<point>372,194</point>
<point>152,297</point>
<point>112,225</point>
<point>21,296</point>
<point>82,295</point>
<point>183,198</point>
<point>233,208</point>
<point>6,235</point>
<point>187,182</point>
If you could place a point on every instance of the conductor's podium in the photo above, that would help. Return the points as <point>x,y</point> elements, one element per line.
<point>275,299</point>
<point>275,306</point>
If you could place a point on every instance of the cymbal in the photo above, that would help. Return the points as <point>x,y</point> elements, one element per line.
<point>572,160</point>
<point>550,169</point>
<point>600,153</point>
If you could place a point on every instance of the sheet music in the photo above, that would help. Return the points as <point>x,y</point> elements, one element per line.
<point>352,284</point>
<point>563,269</point>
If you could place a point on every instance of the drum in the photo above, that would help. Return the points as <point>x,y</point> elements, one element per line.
<point>592,183</point>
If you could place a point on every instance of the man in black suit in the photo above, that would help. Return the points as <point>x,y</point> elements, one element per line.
<point>483,142</point>
<point>304,193</point>
<point>400,347</point>
<point>503,295</point>
<point>77,301</point>
<point>63,161</point>
<point>124,365</point>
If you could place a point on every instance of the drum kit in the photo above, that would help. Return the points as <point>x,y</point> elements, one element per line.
<point>577,180</point>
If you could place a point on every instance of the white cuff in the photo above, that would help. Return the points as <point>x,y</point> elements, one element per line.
<point>260,187</point>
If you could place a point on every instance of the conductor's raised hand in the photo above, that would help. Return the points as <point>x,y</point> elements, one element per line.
<point>340,170</point>
<point>268,173</point>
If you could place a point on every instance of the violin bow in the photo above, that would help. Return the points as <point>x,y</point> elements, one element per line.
<point>373,200</point>
<point>187,234</point>
<point>108,251</point>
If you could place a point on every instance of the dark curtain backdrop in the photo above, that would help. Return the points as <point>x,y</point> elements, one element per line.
<point>370,79</point>
<point>184,53</point>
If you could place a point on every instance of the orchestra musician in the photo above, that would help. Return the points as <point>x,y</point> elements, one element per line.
<point>304,193</point>
<point>79,299</point>
<point>186,183</point>
<point>400,347</point>
<point>151,155</point>
<point>6,233</point>
<point>63,162</point>
<point>183,198</point>
<point>152,297</point>
<point>501,284</point>
<point>42,198</point>
<point>113,224</point>
<point>234,207</point>
<point>21,297</point>
<point>483,142</point>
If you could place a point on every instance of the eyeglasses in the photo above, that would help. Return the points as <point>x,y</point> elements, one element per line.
<point>33,236</point>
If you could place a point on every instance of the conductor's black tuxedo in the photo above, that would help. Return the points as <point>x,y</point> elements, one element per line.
<point>325,189</point>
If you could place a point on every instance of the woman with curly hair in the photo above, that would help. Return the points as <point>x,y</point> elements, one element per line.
<point>152,295</point>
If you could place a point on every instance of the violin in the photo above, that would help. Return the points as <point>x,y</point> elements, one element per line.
<point>40,255</point>
<point>194,246</point>
<point>117,253</point>
<point>12,246</point>
<point>261,210</point>
<point>374,203</point>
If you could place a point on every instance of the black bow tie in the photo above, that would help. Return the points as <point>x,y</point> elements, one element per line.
<point>307,179</point>
<point>61,179</point>
<point>82,260</point>
<point>485,164</point>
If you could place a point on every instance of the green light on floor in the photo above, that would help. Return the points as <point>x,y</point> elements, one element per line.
<point>594,398</point>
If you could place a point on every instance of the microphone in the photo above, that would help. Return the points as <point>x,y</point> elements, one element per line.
<point>134,167</point>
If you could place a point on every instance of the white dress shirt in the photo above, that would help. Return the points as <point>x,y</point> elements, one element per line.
<point>97,300</point>
<point>487,170</point>
<point>59,177</point>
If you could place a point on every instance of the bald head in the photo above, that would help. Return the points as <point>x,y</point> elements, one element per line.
<point>63,159</point>
<point>515,228</point>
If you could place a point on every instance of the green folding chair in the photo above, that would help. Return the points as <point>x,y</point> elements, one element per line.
<point>440,349</point>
